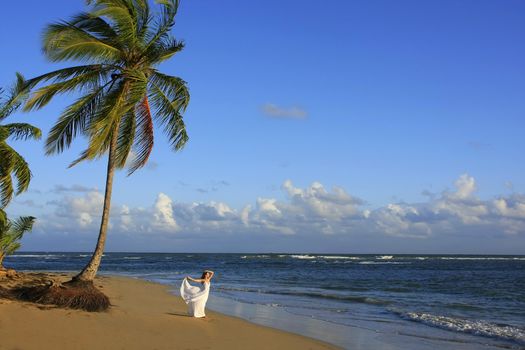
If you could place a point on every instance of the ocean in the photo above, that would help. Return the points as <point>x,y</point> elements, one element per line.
<point>410,301</point>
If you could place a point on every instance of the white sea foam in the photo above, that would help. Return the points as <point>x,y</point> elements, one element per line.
<point>133,257</point>
<point>302,256</point>
<point>255,256</point>
<point>338,257</point>
<point>26,256</point>
<point>45,256</point>
<point>385,257</point>
<point>473,327</point>
<point>384,262</point>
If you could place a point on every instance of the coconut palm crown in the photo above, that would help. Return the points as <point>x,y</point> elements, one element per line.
<point>119,44</point>
<point>12,165</point>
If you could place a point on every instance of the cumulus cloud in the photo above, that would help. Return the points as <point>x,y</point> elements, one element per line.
<point>292,112</point>
<point>81,211</point>
<point>310,211</point>
<point>163,213</point>
<point>454,212</point>
<point>400,220</point>
<point>511,207</point>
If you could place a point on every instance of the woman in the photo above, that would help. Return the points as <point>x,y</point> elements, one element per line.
<point>196,297</point>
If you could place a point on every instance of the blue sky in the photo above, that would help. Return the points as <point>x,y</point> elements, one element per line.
<point>382,115</point>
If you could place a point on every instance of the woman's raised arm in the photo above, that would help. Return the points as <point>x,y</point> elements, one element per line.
<point>195,279</point>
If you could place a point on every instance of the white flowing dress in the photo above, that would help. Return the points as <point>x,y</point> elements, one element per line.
<point>195,297</point>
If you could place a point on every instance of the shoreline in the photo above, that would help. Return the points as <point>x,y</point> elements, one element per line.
<point>143,315</point>
<point>363,327</point>
<point>336,335</point>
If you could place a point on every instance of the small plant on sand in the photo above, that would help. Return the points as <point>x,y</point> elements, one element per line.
<point>121,43</point>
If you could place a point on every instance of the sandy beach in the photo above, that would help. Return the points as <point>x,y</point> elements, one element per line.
<point>143,315</point>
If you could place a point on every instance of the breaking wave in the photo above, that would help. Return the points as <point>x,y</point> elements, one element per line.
<point>483,328</point>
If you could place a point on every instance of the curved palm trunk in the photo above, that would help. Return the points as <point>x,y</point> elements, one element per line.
<point>90,271</point>
<point>2,256</point>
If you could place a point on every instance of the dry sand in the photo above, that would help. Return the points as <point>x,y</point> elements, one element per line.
<point>144,316</point>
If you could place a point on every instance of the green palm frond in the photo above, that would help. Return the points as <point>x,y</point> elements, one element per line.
<point>17,95</point>
<point>143,18</point>
<point>4,133</point>
<point>65,41</point>
<point>165,22</point>
<point>74,121</point>
<point>126,136</point>
<point>3,220</point>
<point>144,136</point>
<point>170,97</point>
<point>12,232</point>
<point>89,80</point>
<point>164,49</point>
<point>124,16</point>
<point>12,248</point>
<point>12,163</point>
<point>6,168</point>
<point>22,225</point>
<point>97,27</point>
<point>104,121</point>
<point>68,73</point>
<point>22,131</point>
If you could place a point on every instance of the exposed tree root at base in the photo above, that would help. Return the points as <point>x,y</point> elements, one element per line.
<point>74,294</point>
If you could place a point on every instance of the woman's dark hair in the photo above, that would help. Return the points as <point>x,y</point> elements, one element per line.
<point>204,274</point>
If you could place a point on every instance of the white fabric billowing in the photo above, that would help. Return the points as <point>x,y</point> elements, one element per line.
<point>195,297</point>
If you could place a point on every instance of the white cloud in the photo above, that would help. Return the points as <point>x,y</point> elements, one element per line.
<point>309,211</point>
<point>163,213</point>
<point>316,201</point>
<point>512,207</point>
<point>465,187</point>
<point>400,220</point>
<point>268,207</point>
<point>126,221</point>
<point>82,210</point>
<point>462,203</point>
<point>84,219</point>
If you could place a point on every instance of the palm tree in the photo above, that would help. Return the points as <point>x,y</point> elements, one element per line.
<point>11,162</point>
<point>11,233</point>
<point>120,44</point>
